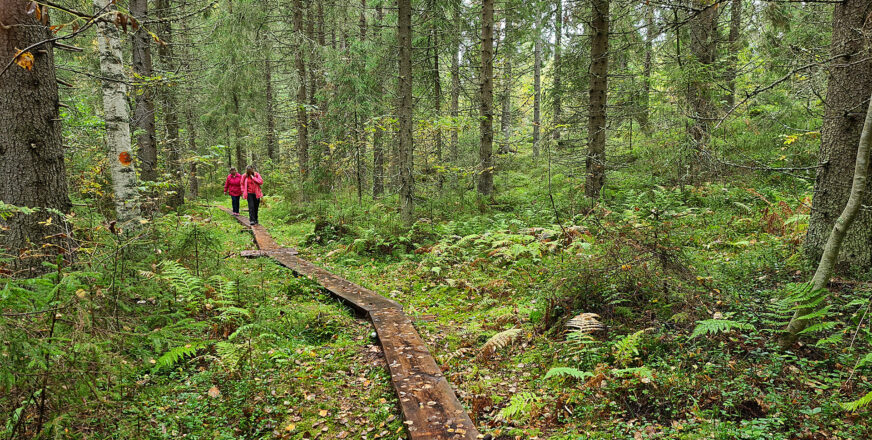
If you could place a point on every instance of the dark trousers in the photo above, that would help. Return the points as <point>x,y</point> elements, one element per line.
<point>253,204</point>
<point>235,201</point>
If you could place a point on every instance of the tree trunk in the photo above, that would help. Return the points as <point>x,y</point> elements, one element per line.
<point>703,39</point>
<point>170,108</point>
<point>237,137</point>
<point>596,127</point>
<point>404,112</point>
<point>31,147</point>
<point>143,115</point>
<point>117,115</point>
<point>850,84</point>
<point>270,116</point>
<point>437,103</point>
<point>302,117</point>
<point>556,84</point>
<point>455,83</point>
<point>537,87</point>
<point>378,159</point>
<point>650,33</point>
<point>506,111</point>
<point>735,28</point>
<point>191,126</point>
<point>830,255</point>
<point>486,97</point>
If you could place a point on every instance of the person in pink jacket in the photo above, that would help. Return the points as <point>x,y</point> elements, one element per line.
<point>233,188</point>
<point>251,182</point>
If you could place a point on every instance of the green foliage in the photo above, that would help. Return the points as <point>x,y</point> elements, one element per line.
<point>520,407</point>
<point>175,355</point>
<point>716,326</point>
<point>567,372</point>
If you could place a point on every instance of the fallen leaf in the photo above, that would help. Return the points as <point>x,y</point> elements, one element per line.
<point>214,392</point>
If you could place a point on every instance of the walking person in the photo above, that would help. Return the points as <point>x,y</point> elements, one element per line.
<point>251,182</point>
<point>233,188</point>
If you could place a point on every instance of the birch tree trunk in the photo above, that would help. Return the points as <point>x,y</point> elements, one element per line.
<point>830,255</point>
<point>117,118</point>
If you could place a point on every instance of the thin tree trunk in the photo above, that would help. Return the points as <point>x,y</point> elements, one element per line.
<point>486,97</point>
<point>143,115</point>
<point>599,70</point>
<point>506,113</point>
<point>849,85</point>
<point>735,28</point>
<point>455,83</point>
<point>404,111</point>
<point>270,116</point>
<point>831,249</point>
<point>117,115</point>
<point>170,108</point>
<point>302,117</point>
<point>378,159</point>
<point>557,85</point>
<point>537,87</point>
<point>650,32</point>
<point>31,146</point>
<point>237,137</point>
<point>191,126</point>
<point>437,103</point>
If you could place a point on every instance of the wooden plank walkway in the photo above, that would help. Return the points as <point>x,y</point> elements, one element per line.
<point>430,408</point>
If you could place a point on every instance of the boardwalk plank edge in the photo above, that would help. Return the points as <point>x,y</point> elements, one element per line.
<point>430,408</point>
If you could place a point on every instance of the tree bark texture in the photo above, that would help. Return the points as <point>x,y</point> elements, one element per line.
<point>143,114</point>
<point>271,148</point>
<point>31,149</point>
<point>848,88</point>
<point>733,41</point>
<point>170,107</point>
<point>302,116</point>
<point>455,82</point>
<point>378,158</point>
<point>405,161</point>
<point>830,255</point>
<point>556,84</point>
<point>537,89</point>
<point>117,116</point>
<point>650,33</point>
<point>486,98</point>
<point>506,104</point>
<point>703,48</point>
<point>599,70</point>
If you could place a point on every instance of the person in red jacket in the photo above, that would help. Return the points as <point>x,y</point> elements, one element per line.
<point>251,182</point>
<point>233,188</point>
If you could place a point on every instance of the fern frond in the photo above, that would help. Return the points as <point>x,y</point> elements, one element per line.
<point>865,361</point>
<point>181,279</point>
<point>644,372</point>
<point>858,404</point>
<point>628,346</point>
<point>715,326</point>
<point>568,371</point>
<point>519,407</point>
<point>499,341</point>
<point>586,323</point>
<point>176,355</point>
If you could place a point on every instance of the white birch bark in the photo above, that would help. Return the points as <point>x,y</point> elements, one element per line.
<point>117,117</point>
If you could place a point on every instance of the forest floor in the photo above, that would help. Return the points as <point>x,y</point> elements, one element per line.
<point>656,274</point>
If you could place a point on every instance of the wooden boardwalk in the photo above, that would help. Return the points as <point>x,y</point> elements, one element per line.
<point>430,408</point>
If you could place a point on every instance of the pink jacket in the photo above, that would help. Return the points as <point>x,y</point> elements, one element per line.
<point>233,184</point>
<point>252,185</point>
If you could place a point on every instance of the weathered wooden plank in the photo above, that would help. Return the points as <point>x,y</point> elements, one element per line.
<point>430,407</point>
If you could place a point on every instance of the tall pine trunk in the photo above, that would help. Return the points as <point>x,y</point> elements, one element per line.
<point>557,81</point>
<point>650,32</point>
<point>437,103</point>
<point>31,147</point>
<point>117,116</point>
<point>599,70</point>
<point>486,98</point>
<point>405,161</point>
<point>170,107</point>
<point>537,87</point>
<point>378,158</point>
<point>849,85</point>
<point>455,82</point>
<point>703,39</point>
<point>506,104</point>
<point>143,115</point>
<point>302,117</point>
<point>733,41</point>
<point>271,148</point>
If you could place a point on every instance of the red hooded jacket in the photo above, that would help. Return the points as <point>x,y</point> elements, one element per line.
<point>233,184</point>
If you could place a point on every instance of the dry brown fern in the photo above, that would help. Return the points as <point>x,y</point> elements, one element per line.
<point>586,323</point>
<point>498,341</point>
